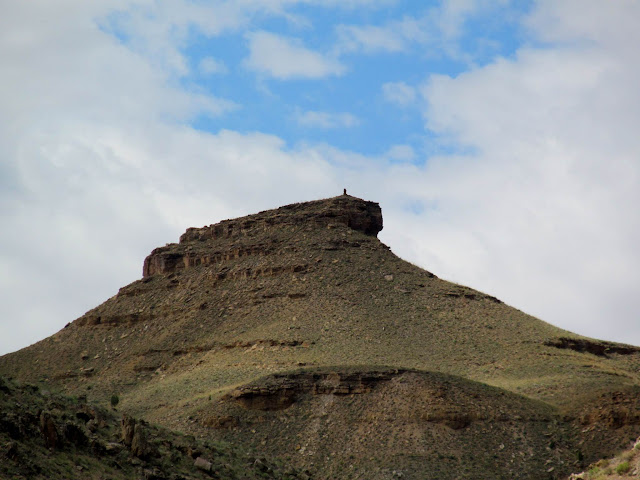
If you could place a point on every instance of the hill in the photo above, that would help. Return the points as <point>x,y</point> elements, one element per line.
<point>298,332</point>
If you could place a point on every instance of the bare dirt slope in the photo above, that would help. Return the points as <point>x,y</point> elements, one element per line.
<point>308,287</point>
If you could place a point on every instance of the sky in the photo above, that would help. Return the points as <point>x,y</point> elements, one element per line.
<point>499,137</point>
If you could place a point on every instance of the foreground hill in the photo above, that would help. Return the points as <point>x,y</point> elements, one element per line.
<point>52,437</point>
<point>298,332</point>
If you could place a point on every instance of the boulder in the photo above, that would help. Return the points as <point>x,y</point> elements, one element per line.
<point>203,464</point>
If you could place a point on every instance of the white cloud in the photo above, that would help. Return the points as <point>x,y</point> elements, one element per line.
<point>451,15</point>
<point>108,83</point>
<point>287,58</point>
<point>575,21</point>
<point>211,66</point>
<point>401,152</point>
<point>399,93</point>
<point>546,195</point>
<point>160,30</point>
<point>437,31</point>
<point>370,38</point>
<point>392,37</point>
<point>326,119</point>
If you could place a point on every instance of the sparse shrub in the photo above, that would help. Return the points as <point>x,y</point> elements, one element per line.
<point>623,468</point>
<point>593,471</point>
<point>114,400</point>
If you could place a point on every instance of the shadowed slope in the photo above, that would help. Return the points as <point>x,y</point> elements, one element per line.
<point>52,437</point>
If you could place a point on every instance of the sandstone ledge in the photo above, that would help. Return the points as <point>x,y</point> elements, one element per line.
<point>352,212</point>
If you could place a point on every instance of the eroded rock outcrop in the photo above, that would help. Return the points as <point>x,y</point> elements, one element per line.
<point>595,347</point>
<point>281,390</point>
<point>345,210</point>
<point>49,430</point>
<point>134,436</point>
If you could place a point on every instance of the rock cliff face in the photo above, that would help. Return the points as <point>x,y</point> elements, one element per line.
<point>357,214</point>
<point>281,391</point>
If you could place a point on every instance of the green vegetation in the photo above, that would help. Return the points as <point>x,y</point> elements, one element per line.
<point>623,468</point>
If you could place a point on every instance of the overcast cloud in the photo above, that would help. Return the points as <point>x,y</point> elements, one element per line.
<point>520,176</point>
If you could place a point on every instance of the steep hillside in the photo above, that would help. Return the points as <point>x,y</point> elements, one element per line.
<point>309,288</point>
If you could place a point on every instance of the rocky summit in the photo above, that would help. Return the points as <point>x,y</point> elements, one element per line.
<point>297,335</point>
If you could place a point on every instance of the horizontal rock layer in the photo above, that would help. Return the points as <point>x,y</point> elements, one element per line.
<point>281,390</point>
<point>353,212</point>
<point>345,210</point>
